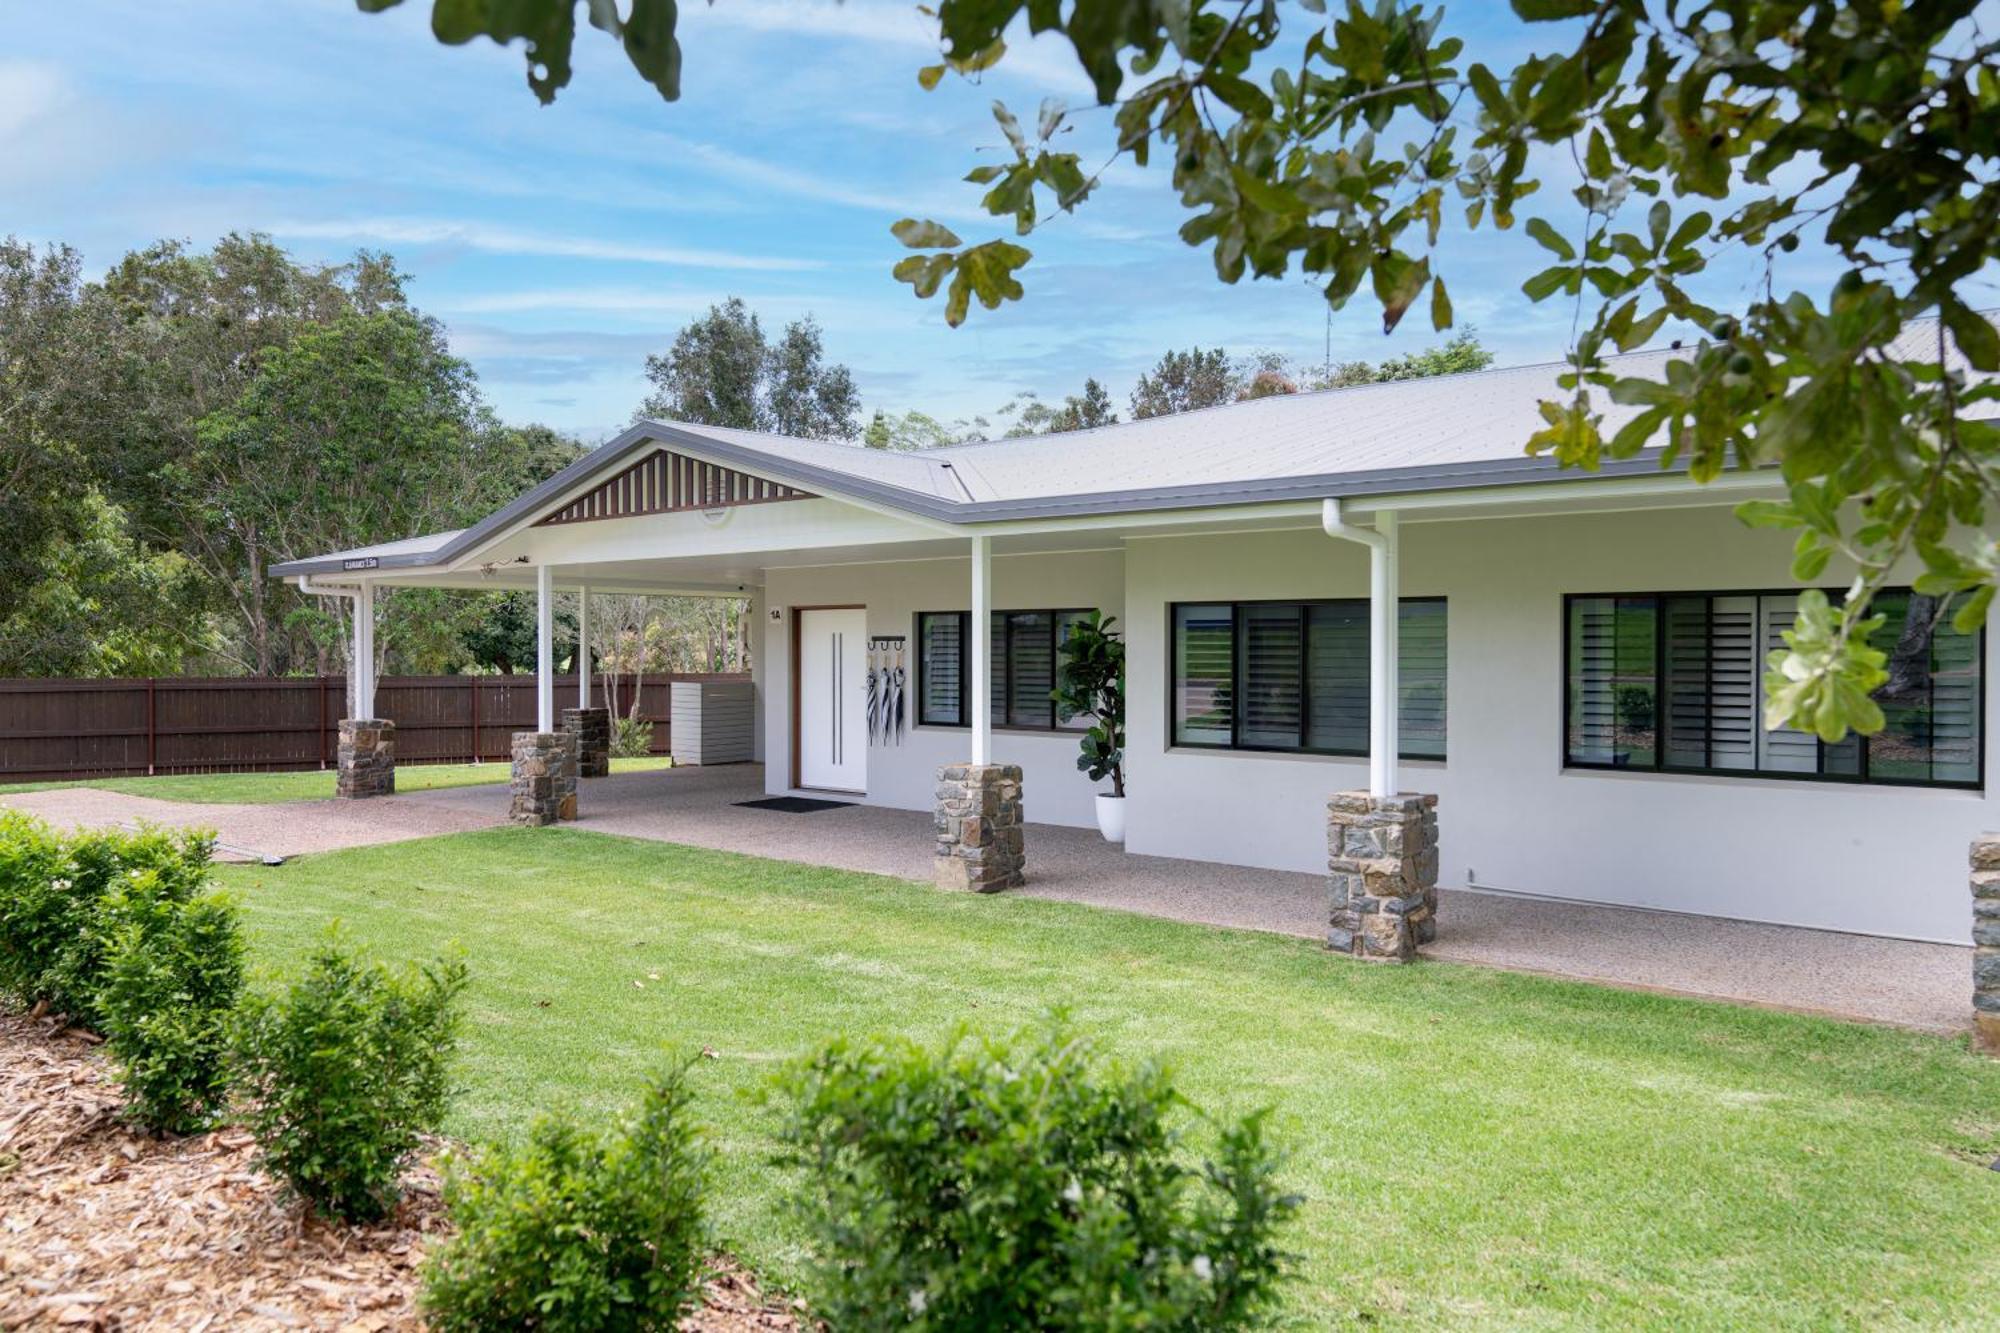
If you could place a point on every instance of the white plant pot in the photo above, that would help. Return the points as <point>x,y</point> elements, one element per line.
<point>1111,818</point>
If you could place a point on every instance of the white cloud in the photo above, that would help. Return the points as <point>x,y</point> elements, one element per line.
<point>29,91</point>
<point>520,241</point>
<point>1046,62</point>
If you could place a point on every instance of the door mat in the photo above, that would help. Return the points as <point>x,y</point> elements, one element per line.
<point>793,805</point>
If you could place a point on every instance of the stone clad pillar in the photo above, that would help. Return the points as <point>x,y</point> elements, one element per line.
<point>1986,942</point>
<point>592,729</point>
<point>979,833</point>
<point>1382,863</point>
<point>366,758</point>
<point>544,780</point>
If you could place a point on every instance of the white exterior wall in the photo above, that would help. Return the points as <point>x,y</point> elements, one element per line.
<point>894,592</point>
<point>1879,860</point>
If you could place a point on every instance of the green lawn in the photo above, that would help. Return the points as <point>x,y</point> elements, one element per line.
<point>271,788</point>
<point>1478,1147</point>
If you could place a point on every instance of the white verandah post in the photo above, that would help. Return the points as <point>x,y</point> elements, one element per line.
<point>545,653</point>
<point>981,650</point>
<point>1384,734</point>
<point>583,646</point>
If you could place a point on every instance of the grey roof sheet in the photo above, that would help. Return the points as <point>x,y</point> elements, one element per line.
<point>1434,433</point>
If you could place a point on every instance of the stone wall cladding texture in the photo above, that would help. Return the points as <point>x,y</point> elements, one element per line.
<point>1986,941</point>
<point>592,728</point>
<point>979,828</point>
<point>1382,867</point>
<point>544,780</point>
<point>366,758</point>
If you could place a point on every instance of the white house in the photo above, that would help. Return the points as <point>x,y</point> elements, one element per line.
<point>1575,657</point>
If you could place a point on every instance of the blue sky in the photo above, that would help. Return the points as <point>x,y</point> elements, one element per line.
<point>560,245</point>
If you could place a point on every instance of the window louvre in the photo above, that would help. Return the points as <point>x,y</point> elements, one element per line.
<point>1294,676</point>
<point>1710,662</point>
<point>941,668</point>
<point>1021,671</point>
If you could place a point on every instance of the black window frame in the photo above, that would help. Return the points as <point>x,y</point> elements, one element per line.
<point>1235,743</point>
<point>1660,599</point>
<point>1056,619</point>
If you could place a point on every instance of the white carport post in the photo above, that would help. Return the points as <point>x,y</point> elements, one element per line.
<point>545,763</point>
<point>1382,851</point>
<point>583,646</point>
<point>981,650</point>
<point>362,665</point>
<point>545,649</point>
<point>366,758</point>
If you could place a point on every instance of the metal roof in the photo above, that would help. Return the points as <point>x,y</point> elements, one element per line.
<point>1438,433</point>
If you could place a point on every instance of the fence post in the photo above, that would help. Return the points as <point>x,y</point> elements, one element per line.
<point>474,681</point>
<point>152,726</point>
<point>321,747</point>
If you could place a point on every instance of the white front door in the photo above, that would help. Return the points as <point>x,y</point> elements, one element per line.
<point>833,699</point>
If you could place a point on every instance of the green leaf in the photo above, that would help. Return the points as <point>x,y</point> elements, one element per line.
<point>929,75</point>
<point>1546,11</point>
<point>1975,335</point>
<point>1971,614</point>
<point>1547,283</point>
<point>985,271</point>
<point>925,235</point>
<point>1550,238</point>
<point>1440,305</point>
<point>1011,128</point>
<point>1398,279</point>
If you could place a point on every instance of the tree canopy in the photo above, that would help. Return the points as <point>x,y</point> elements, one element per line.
<point>1183,381</point>
<point>723,371</point>
<point>168,432</point>
<point>1682,136</point>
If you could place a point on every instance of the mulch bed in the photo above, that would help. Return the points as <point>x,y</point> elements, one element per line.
<point>104,1228</point>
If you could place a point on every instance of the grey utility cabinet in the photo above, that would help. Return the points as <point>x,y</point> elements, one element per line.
<point>712,721</point>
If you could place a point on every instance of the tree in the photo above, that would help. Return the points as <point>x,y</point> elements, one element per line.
<point>1183,381</point>
<point>915,430</point>
<point>1078,411</point>
<point>721,371</point>
<point>365,430</point>
<point>1876,127</point>
<point>43,372</point>
<point>1462,352</point>
<point>100,604</point>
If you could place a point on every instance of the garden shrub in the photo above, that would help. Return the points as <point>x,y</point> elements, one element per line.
<point>346,1067</point>
<point>54,930</point>
<point>1025,1184</point>
<point>173,969</point>
<point>578,1228</point>
<point>631,738</point>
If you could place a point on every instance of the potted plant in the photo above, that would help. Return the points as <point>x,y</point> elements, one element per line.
<point>1090,683</point>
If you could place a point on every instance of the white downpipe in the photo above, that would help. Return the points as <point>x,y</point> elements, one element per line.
<point>1384,739</point>
<point>982,650</point>
<point>583,646</point>
<point>545,649</point>
<point>364,652</point>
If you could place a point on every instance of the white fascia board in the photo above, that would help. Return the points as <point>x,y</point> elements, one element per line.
<point>1668,490</point>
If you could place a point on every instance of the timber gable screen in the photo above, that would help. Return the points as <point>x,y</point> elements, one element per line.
<point>666,483</point>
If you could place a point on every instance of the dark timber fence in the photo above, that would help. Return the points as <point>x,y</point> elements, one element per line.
<point>56,729</point>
